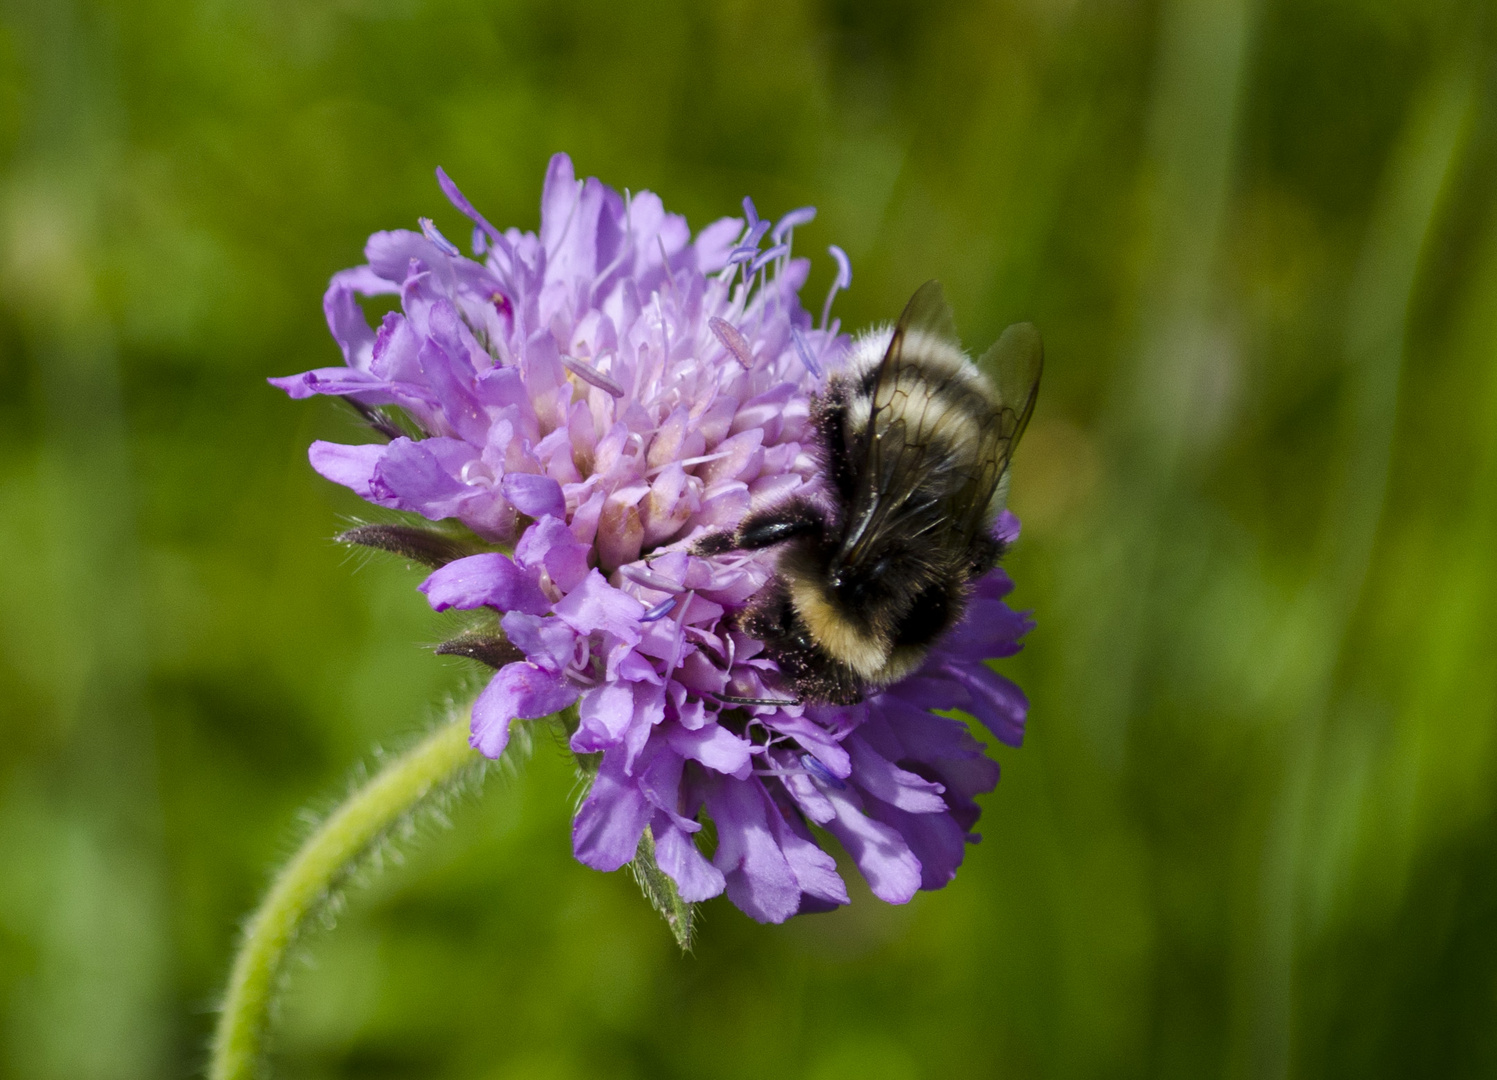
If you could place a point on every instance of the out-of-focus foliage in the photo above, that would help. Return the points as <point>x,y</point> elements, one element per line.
<point>1254,830</point>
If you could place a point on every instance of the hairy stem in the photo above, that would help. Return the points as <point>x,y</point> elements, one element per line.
<point>322,864</point>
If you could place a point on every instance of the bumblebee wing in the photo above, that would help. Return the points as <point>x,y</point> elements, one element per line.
<point>904,423</point>
<point>1014,363</point>
<point>910,425</point>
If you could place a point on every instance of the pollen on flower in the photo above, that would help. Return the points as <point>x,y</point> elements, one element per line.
<point>589,400</point>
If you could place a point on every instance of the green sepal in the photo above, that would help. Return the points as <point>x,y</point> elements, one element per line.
<point>661,891</point>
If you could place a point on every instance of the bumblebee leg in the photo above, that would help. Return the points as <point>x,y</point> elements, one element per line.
<point>715,543</point>
<point>766,528</point>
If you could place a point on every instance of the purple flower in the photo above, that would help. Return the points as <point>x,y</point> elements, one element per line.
<point>591,399</point>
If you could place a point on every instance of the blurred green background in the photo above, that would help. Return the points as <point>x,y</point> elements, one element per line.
<point>1253,833</point>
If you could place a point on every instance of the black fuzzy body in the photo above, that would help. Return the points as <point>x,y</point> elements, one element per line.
<point>909,590</point>
<point>914,446</point>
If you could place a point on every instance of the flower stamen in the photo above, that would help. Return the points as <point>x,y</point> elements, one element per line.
<point>430,231</point>
<point>589,374</point>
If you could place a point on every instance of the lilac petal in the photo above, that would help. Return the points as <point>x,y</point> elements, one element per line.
<point>696,879</point>
<point>702,677</point>
<point>931,688</point>
<point>362,281</point>
<point>519,691</point>
<point>884,859</point>
<point>628,662</point>
<point>715,747</point>
<point>944,747</point>
<point>814,905</point>
<point>504,388</point>
<point>446,326</point>
<point>339,382</point>
<point>487,580</point>
<point>544,377</point>
<point>489,733</point>
<point>759,878</point>
<point>597,605</point>
<point>392,254</point>
<point>724,504</point>
<point>808,796</point>
<point>900,729</point>
<point>813,737</point>
<point>692,712</point>
<point>884,780</point>
<point>989,629</point>
<point>351,466</point>
<point>649,710</point>
<point>534,496</point>
<point>396,355</point>
<point>937,840</point>
<point>345,318</point>
<point>1006,528</point>
<point>606,831</point>
<point>410,477</point>
<point>994,585</point>
<point>296,386</point>
<point>450,377</point>
<point>546,641</point>
<point>459,200</point>
<point>997,702</point>
<point>838,720</point>
<point>714,242</point>
<point>764,411</point>
<point>660,771</point>
<point>964,781</point>
<point>549,543</point>
<point>815,871</point>
<point>605,713</point>
<point>559,199</point>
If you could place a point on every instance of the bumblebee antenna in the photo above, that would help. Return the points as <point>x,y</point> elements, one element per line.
<point>731,700</point>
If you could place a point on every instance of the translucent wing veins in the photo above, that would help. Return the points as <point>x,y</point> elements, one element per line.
<point>923,404</point>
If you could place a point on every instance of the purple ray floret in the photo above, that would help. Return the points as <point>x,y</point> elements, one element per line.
<point>592,398</point>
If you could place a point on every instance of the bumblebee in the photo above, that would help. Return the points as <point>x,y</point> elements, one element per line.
<point>915,445</point>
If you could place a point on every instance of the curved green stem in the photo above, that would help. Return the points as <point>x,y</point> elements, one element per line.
<point>323,862</point>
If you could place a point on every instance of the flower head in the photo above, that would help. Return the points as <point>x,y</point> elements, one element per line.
<point>587,401</point>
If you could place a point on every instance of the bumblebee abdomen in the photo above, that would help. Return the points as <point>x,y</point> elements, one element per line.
<point>805,660</point>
